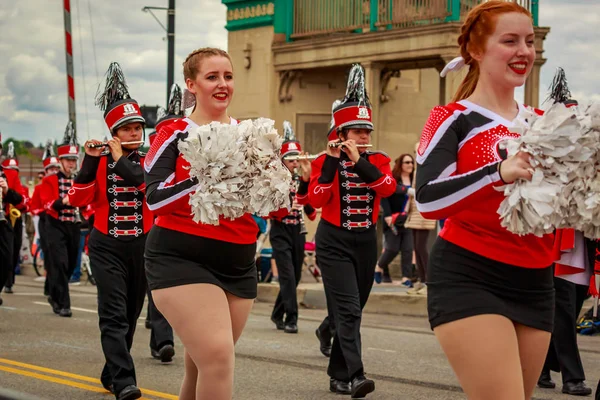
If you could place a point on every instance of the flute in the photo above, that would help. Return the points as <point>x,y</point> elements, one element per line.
<point>360,146</point>
<point>97,146</point>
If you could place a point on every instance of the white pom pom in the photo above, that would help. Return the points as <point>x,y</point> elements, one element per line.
<point>238,170</point>
<point>565,190</point>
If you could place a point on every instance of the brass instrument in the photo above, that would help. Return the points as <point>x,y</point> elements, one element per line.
<point>303,230</point>
<point>13,214</point>
<point>2,213</point>
<point>97,146</point>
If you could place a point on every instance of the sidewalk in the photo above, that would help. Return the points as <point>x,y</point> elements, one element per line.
<point>385,298</point>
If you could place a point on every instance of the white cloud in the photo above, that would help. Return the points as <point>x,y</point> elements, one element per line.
<point>33,83</point>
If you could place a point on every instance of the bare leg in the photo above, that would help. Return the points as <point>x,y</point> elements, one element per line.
<point>533,347</point>
<point>200,315</point>
<point>190,377</point>
<point>484,354</point>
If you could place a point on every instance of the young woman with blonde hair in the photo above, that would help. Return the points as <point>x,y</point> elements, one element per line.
<point>202,277</point>
<point>490,292</point>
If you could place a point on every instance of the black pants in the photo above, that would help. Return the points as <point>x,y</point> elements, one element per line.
<point>62,241</point>
<point>394,244</point>
<point>347,260</point>
<point>563,353</point>
<point>6,250</point>
<point>17,243</point>
<point>118,267</point>
<point>288,252</point>
<point>161,333</point>
<point>420,237</point>
<point>44,247</point>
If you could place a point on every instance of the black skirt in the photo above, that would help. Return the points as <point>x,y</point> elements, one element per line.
<point>176,258</point>
<point>463,284</point>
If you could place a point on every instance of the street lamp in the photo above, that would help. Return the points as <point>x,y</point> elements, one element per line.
<point>170,29</point>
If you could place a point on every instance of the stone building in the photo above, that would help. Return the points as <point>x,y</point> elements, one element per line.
<point>291,59</point>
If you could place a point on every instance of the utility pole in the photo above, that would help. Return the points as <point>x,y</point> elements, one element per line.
<point>69,59</point>
<point>170,47</point>
<point>170,29</point>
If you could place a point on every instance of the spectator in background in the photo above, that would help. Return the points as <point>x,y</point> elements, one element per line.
<point>421,228</point>
<point>397,238</point>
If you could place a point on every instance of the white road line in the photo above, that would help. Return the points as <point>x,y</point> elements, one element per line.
<point>384,350</point>
<point>7,308</point>
<point>40,294</point>
<point>143,317</point>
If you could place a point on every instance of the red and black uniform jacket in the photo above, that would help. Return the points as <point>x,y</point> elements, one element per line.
<point>457,176</point>
<point>349,193</point>
<point>54,189</point>
<point>169,186</point>
<point>301,197</point>
<point>35,205</point>
<point>14,195</point>
<point>116,191</point>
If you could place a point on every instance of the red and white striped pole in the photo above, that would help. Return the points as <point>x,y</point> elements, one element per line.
<point>69,58</point>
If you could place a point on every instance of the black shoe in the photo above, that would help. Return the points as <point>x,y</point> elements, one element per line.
<point>148,324</point>
<point>1,301</point>
<point>361,387</point>
<point>55,306</point>
<point>546,381</point>
<point>8,290</point>
<point>65,312</point>
<point>290,328</point>
<point>576,388</point>
<point>324,345</point>
<point>129,393</point>
<point>166,353</point>
<point>339,387</point>
<point>278,323</point>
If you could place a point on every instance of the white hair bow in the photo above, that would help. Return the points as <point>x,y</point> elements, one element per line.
<point>455,65</point>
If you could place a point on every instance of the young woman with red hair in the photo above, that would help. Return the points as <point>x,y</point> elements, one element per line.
<point>490,292</point>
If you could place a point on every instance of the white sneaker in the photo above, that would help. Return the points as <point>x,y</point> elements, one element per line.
<point>416,288</point>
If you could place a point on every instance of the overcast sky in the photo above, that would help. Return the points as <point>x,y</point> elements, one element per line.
<point>33,99</point>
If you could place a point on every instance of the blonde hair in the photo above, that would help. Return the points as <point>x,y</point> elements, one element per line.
<point>479,25</point>
<point>191,65</point>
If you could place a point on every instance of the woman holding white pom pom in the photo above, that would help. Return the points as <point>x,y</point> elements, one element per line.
<point>490,292</point>
<point>202,277</point>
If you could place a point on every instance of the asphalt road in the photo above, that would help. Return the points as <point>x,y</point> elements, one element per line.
<point>50,357</point>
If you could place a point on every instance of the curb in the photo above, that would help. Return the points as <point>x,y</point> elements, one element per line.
<point>400,304</point>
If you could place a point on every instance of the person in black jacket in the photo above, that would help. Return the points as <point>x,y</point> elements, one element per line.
<point>397,238</point>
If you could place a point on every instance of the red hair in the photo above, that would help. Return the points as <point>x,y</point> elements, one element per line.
<point>479,25</point>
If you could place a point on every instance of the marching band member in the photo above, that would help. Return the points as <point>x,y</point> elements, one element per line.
<point>161,332</point>
<point>490,292</point>
<point>576,256</point>
<point>11,196</point>
<point>15,217</point>
<point>51,166</point>
<point>326,330</point>
<point>62,229</point>
<point>288,238</point>
<point>203,277</point>
<point>112,180</point>
<point>348,183</point>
